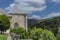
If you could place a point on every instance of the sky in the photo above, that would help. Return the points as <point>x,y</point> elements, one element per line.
<point>36,9</point>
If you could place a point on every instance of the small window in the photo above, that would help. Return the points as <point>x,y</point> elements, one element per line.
<point>16,25</point>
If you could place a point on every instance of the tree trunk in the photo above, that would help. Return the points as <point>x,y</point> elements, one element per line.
<point>2,32</point>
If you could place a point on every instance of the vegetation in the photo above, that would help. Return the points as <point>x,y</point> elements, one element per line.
<point>3,37</point>
<point>4,23</point>
<point>50,24</point>
<point>40,34</point>
<point>20,31</point>
<point>35,34</point>
<point>58,34</point>
<point>31,22</point>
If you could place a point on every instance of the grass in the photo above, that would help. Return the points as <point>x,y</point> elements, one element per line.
<point>3,37</point>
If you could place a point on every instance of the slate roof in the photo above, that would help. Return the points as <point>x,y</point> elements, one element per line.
<point>15,10</point>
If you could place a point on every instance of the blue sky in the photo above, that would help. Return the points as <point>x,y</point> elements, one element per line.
<point>37,9</point>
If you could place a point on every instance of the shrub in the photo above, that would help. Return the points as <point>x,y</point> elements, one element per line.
<point>35,34</point>
<point>13,31</point>
<point>58,34</point>
<point>47,35</point>
<point>39,34</point>
<point>20,31</point>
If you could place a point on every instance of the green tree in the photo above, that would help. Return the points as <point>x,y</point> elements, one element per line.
<point>47,35</point>
<point>4,23</point>
<point>58,34</point>
<point>40,34</point>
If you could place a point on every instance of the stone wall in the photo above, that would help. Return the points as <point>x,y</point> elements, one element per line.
<point>21,20</point>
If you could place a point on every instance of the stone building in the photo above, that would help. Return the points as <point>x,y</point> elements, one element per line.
<point>17,18</point>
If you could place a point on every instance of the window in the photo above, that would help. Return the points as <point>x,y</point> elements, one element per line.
<point>16,25</point>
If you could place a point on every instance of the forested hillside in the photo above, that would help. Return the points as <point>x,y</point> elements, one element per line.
<point>51,24</point>
<point>32,22</point>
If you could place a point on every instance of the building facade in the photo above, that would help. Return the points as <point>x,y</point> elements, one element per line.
<point>18,20</point>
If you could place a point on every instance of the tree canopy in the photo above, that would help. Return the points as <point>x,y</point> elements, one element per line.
<point>4,23</point>
<point>40,34</point>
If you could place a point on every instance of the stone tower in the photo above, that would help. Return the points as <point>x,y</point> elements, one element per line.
<point>17,18</point>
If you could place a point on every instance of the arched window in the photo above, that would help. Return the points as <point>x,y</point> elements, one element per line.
<point>16,25</point>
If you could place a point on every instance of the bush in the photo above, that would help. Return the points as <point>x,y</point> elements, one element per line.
<point>47,35</point>
<point>58,34</point>
<point>20,31</point>
<point>13,31</point>
<point>39,34</point>
<point>35,34</point>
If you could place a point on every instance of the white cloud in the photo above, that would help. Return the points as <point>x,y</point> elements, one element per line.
<point>57,1</point>
<point>11,5</point>
<point>28,6</point>
<point>36,1</point>
<point>25,6</point>
<point>35,17</point>
<point>53,15</point>
<point>7,8</point>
